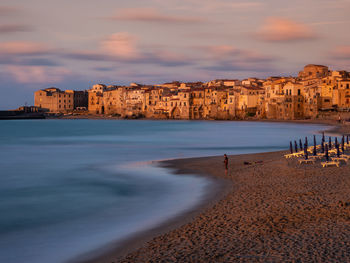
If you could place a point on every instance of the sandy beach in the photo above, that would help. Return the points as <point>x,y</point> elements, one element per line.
<point>271,210</point>
<point>275,211</point>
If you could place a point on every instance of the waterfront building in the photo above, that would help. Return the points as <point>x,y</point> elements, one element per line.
<point>315,90</point>
<point>96,105</point>
<point>58,101</point>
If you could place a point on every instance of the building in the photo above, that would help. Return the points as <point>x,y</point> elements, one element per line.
<point>96,105</point>
<point>54,100</point>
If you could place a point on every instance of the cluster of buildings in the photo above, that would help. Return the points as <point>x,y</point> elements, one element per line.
<point>316,89</point>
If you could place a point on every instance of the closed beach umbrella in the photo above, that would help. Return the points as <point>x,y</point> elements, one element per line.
<point>291,147</point>
<point>300,145</point>
<point>347,139</point>
<point>326,153</point>
<point>336,141</point>
<point>295,146</point>
<point>305,152</point>
<point>342,144</point>
<point>306,142</point>
<point>330,142</point>
<point>323,139</point>
<point>315,151</point>
<point>338,152</point>
<point>322,147</point>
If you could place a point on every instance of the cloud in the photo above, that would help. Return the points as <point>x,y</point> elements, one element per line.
<point>87,55</point>
<point>124,48</point>
<point>36,74</point>
<point>7,10</point>
<point>121,45</point>
<point>230,58</point>
<point>341,52</point>
<point>7,29</point>
<point>18,60</point>
<point>222,52</point>
<point>153,15</point>
<point>322,23</point>
<point>22,48</point>
<point>210,6</point>
<point>227,5</point>
<point>276,29</point>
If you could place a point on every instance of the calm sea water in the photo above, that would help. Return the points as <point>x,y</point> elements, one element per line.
<point>68,187</point>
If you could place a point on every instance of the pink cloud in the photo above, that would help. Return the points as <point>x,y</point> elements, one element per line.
<point>37,74</point>
<point>22,48</point>
<point>153,15</point>
<point>341,52</point>
<point>7,10</point>
<point>122,45</point>
<point>277,29</point>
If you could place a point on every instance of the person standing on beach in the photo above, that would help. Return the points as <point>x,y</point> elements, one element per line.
<point>226,162</point>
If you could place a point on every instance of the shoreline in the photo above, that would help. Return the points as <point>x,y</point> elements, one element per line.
<point>220,187</point>
<point>216,189</point>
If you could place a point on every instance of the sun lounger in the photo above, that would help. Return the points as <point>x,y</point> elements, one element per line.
<point>345,156</point>
<point>308,161</point>
<point>291,155</point>
<point>327,164</point>
<point>316,157</point>
<point>336,159</point>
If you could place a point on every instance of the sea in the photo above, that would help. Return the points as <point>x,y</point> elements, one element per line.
<point>69,187</point>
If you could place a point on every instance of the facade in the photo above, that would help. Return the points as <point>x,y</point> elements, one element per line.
<point>96,105</point>
<point>58,101</point>
<point>316,89</point>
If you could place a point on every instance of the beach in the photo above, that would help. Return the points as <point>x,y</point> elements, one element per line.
<point>271,210</point>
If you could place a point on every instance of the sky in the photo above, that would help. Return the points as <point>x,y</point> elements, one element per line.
<point>73,44</point>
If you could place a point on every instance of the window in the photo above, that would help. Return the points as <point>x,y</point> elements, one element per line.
<point>184,103</point>
<point>298,92</point>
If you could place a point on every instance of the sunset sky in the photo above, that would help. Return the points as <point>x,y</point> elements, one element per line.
<point>72,44</point>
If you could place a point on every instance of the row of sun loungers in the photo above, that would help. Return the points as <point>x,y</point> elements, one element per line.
<point>334,160</point>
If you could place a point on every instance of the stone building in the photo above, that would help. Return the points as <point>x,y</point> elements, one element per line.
<point>343,95</point>
<point>312,71</point>
<point>114,101</point>
<point>196,110</point>
<point>293,104</point>
<point>248,100</point>
<point>96,105</point>
<point>58,101</point>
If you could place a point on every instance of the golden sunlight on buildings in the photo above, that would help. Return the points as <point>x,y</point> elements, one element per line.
<point>315,91</point>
